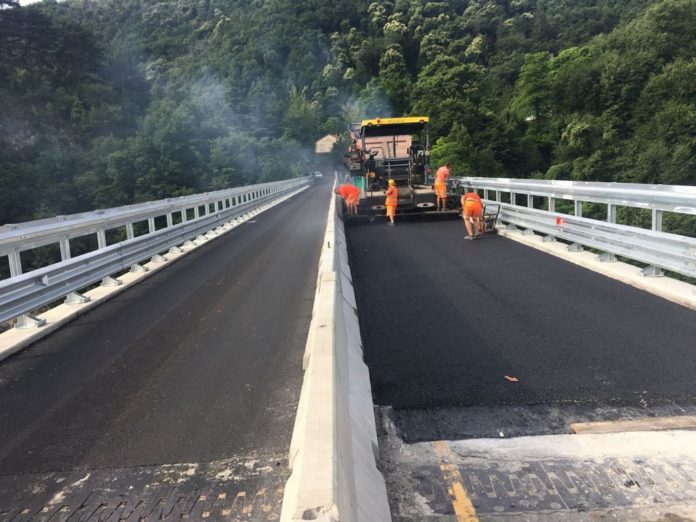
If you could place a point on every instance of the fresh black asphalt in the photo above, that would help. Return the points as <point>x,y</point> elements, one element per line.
<point>198,363</point>
<point>444,322</point>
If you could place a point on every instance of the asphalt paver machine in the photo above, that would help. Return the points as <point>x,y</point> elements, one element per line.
<point>392,148</point>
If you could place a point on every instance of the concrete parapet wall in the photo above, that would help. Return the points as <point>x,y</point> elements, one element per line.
<point>333,453</point>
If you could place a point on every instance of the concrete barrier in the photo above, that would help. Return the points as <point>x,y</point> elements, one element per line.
<point>334,452</point>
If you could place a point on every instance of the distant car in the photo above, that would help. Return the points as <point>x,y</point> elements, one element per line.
<point>318,174</point>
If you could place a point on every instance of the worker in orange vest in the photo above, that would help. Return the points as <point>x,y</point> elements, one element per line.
<point>472,210</point>
<point>440,186</point>
<point>391,201</point>
<point>351,195</point>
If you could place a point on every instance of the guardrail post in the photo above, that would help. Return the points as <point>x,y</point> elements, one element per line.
<point>170,220</point>
<point>64,249</point>
<point>74,298</point>
<point>652,270</point>
<point>130,234</point>
<point>608,257</point>
<point>28,321</point>
<point>551,202</point>
<point>657,220</point>
<point>111,281</point>
<point>151,225</point>
<point>576,247</point>
<point>15,263</point>
<point>530,204</point>
<point>101,239</point>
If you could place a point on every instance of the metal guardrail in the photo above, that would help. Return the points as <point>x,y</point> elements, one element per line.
<point>22,293</point>
<point>659,249</point>
<point>671,198</point>
<point>668,251</point>
<point>32,234</point>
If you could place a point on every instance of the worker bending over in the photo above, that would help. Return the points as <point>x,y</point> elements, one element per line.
<point>391,201</point>
<point>351,195</point>
<point>441,186</point>
<point>472,211</point>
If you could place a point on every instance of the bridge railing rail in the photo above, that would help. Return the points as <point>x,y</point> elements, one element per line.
<point>654,247</point>
<point>184,219</point>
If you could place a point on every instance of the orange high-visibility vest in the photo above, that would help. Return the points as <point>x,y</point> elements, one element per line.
<point>392,195</point>
<point>442,174</point>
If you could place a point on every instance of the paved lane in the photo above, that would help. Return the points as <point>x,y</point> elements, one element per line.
<point>444,321</point>
<point>201,363</point>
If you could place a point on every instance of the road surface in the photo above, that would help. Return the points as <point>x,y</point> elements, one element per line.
<point>470,343</point>
<point>178,395</point>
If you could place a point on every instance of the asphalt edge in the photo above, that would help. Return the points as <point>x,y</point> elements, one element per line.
<point>334,449</point>
<point>666,287</point>
<point>15,340</point>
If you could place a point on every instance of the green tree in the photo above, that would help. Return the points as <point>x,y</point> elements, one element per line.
<point>301,118</point>
<point>393,78</point>
<point>447,91</point>
<point>532,95</point>
<point>104,103</point>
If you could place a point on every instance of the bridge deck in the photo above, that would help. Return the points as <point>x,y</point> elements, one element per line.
<point>444,322</point>
<point>200,364</point>
<point>472,342</point>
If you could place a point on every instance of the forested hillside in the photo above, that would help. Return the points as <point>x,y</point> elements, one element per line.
<point>106,102</point>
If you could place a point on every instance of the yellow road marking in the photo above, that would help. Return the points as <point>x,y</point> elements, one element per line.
<point>463,508</point>
<point>684,422</point>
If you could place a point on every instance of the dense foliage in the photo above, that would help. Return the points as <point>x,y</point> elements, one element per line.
<point>105,102</point>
